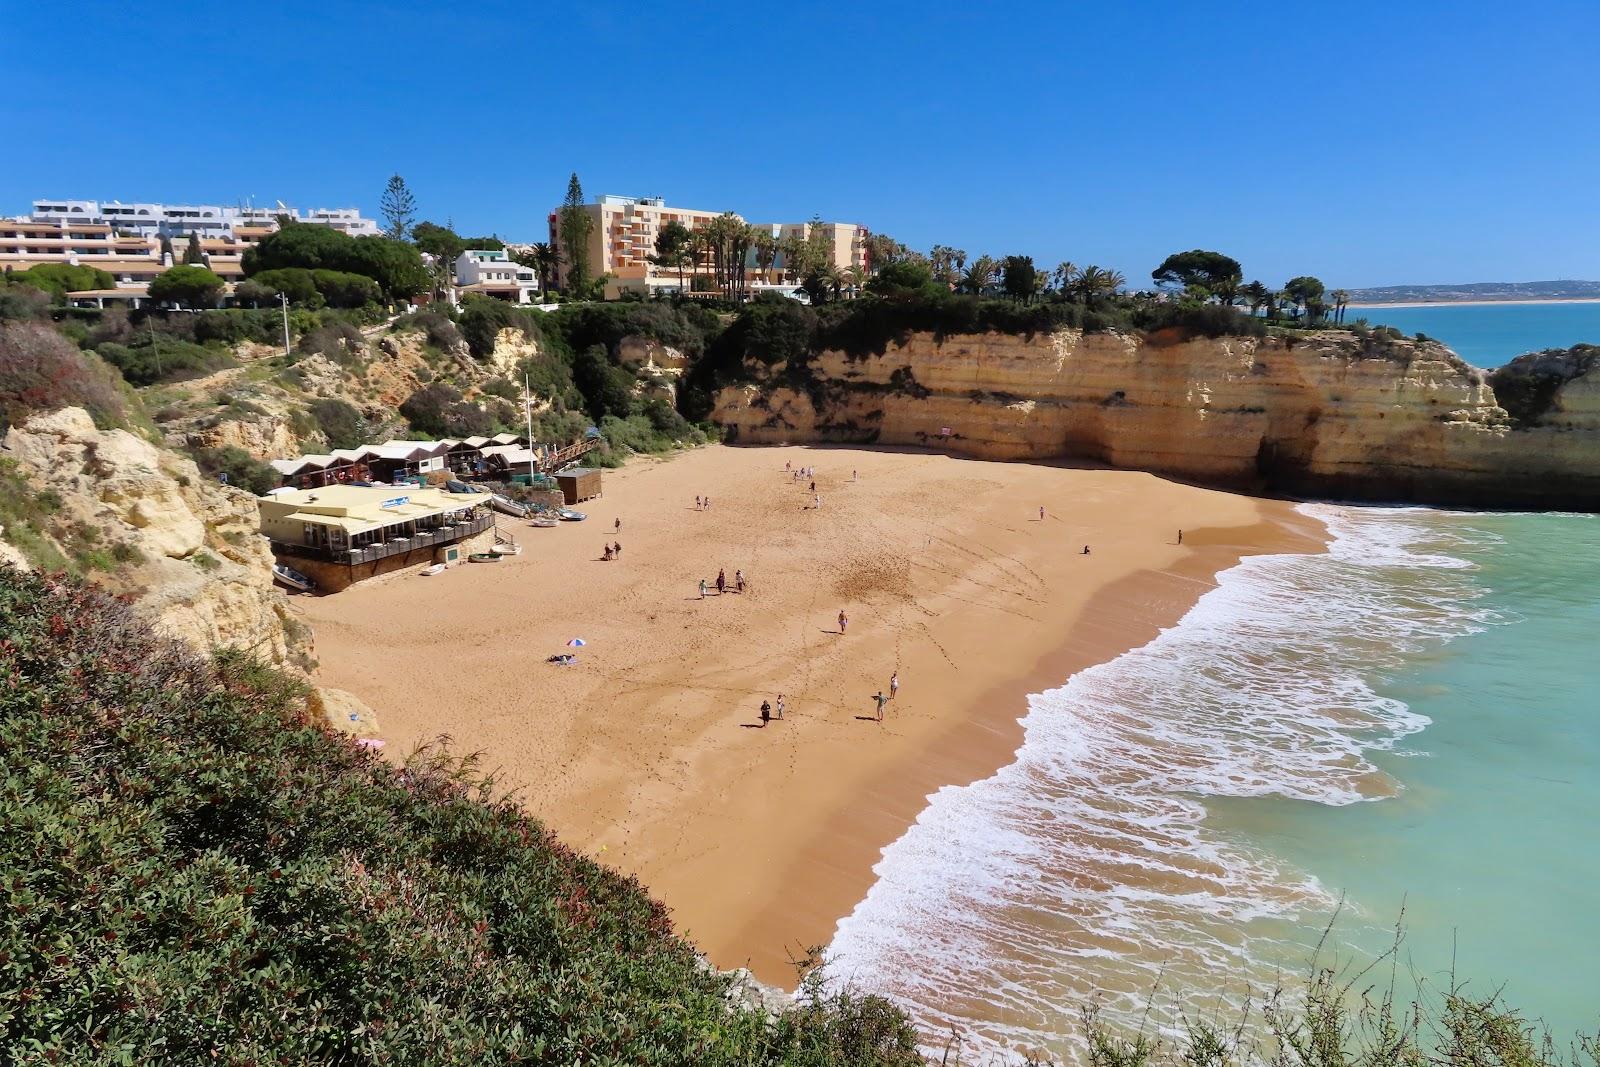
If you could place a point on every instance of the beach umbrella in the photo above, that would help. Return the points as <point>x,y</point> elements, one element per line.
<point>576,642</point>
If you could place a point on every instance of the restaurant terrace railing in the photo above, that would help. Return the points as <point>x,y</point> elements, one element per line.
<point>395,546</point>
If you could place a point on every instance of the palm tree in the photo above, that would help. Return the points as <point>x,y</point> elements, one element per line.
<point>543,255</point>
<point>1064,275</point>
<point>766,247</point>
<point>1341,299</point>
<point>856,279</point>
<point>978,277</point>
<point>795,253</point>
<point>1095,282</point>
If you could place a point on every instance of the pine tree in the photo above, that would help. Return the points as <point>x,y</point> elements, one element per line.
<point>574,227</point>
<point>192,253</point>
<point>399,208</point>
<point>166,249</point>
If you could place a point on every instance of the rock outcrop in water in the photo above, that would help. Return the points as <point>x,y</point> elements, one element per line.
<point>1328,414</point>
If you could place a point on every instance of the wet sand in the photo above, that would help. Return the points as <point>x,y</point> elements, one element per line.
<point>648,753</point>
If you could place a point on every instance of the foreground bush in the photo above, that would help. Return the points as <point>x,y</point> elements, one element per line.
<point>195,871</point>
<point>40,370</point>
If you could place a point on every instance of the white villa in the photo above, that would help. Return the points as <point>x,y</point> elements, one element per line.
<point>492,272</point>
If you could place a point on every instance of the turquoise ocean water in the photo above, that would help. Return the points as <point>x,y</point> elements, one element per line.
<point>1487,335</point>
<point>1406,725</point>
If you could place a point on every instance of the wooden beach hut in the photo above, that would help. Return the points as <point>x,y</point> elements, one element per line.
<point>578,484</point>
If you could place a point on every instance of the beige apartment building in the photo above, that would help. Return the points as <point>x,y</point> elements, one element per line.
<point>133,262</point>
<point>622,238</point>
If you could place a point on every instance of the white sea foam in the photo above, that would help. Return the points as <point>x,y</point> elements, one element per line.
<point>1086,866</point>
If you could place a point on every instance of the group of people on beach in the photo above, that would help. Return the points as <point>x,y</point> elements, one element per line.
<point>739,583</point>
<point>702,503</point>
<point>878,698</point>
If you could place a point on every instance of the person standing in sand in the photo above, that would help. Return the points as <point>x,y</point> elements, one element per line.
<point>894,685</point>
<point>816,500</point>
<point>722,582</point>
<point>843,622</point>
<point>738,580</point>
<point>766,714</point>
<point>1041,512</point>
<point>697,503</point>
<point>702,589</point>
<point>1180,537</point>
<point>882,700</point>
<point>616,527</point>
<point>780,705</point>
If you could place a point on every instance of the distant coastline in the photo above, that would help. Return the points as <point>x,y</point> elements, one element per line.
<point>1475,302</point>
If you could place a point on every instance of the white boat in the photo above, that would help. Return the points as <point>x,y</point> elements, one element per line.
<point>545,522</point>
<point>437,568</point>
<point>293,579</point>
<point>506,506</point>
<point>511,549</point>
<point>568,515</point>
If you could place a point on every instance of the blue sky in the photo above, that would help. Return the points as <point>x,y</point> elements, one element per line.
<point>1365,143</point>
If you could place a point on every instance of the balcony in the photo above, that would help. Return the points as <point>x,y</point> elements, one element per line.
<point>447,535</point>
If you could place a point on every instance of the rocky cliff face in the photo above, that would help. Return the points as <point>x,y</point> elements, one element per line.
<point>181,546</point>
<point>1326,414</point>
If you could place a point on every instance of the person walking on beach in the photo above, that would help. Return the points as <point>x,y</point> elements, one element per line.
<point>708,503</point>
<point>855,476</point>
<point>894,685</point>
<point>616,550</point>
<point>813,487</point>
<point>722,582</point>
<point>1180,537</point>
<point>780,705</point>
<point>738,580</point>
<point>882,700</point>
<point>702,589</point>
<point>616,527</point>
<point>1041,512</point>
<point>697,503</point>
<point>843,622</point>
<point>766,714</point>
<point>816,500</point>
<point>786,466</point>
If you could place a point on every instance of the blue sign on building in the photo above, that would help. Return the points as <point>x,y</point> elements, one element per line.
<point>395,502</point>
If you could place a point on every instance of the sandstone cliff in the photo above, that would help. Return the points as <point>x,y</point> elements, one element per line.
<point>1327,414</point>
<point>178,544</point>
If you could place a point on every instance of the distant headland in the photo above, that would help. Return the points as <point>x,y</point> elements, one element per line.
<point>1477,293</point>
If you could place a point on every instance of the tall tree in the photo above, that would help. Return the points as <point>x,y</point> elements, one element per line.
<point>1211,273</point>
<point>1095,283</point>
<point>979,275</point>
<point>193,255</point>
<point>1341,300</point>
<point>1306,293</point>
<point>674,248</point>
<point>399,208</point>
<point>166,249</point>
<point>1064,275</point>
<point>574,225</point>
<point>1256,295</point>
<point>1018,277</point>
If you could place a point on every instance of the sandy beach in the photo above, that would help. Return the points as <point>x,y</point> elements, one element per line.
<point>649,754</point>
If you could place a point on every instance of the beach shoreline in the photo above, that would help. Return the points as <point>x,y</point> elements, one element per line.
<point>1478,303</point>
<point>649,754</point>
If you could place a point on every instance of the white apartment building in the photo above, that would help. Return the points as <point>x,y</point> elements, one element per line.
<point>180,220</point>
<point>492,272</point>
<point>132,262</point>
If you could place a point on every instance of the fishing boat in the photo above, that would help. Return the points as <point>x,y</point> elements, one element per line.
<point>568,515</point>
<point>545,522</point>
<point>293,579</point>
<point>484,557</point>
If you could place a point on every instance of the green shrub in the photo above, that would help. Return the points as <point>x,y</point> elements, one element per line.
<point>242,469</point>
<point>42,371</point>
<point>147,361</point>
<point>197,870</point>
<point>340,422</point>
<point>59,279</point>
<point>438,410</point>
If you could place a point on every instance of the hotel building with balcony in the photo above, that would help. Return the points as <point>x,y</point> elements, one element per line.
<point>622,240</point>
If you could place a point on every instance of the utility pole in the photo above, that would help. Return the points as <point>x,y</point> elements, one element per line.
<point>285,298</point>
<point>527,409</point>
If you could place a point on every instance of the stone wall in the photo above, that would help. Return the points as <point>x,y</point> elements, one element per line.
<point>1326,414</point>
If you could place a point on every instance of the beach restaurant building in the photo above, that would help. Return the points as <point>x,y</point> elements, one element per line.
<point>340,534</point>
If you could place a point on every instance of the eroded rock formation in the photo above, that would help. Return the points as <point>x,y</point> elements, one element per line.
<point>1327,414</point>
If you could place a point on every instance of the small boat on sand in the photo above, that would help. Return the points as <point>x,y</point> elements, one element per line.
<point>545,522</point>
<point>484,557</point>
<point>568,515</point>
<point>293,579</point>
<point>506,506</point>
